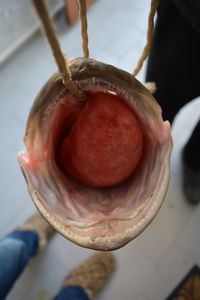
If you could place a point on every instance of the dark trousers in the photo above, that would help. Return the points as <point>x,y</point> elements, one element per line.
<point>174,63</point>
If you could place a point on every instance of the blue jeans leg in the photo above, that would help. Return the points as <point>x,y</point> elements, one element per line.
<point>72,293</point>
<point>15,250</point>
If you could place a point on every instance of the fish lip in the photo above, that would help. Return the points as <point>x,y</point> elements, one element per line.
<point>93,241</point>
<point>85,237</point>
<point>80,237</point>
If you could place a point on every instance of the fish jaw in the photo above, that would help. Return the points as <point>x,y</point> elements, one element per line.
<point>101,219</point>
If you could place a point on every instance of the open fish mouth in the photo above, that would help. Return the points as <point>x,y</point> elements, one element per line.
<point>101,218</point>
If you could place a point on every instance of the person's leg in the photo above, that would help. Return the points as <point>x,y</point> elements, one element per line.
<point>191,167</point>
<point>17,247</point>
<point>173,60</point>
<point>15,251</point>
<point>193,147</point>
<point>72,293</point>
<point>86,280</point>
<point>173,65</point>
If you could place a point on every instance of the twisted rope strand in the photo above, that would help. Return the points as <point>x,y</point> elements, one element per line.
<point>150,29</point>
<point>50,34</point>
<point>83,19</point>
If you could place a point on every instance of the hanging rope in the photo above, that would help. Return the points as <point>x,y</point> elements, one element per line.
<point>50,34</point>
<point>83,19</point>
<point>149,37</point>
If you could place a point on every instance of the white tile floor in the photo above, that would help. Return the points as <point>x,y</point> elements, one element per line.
<point>152,265</point>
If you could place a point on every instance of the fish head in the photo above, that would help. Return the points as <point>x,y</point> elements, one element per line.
<point>96,217</point>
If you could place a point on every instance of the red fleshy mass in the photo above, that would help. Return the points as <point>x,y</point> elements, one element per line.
<point>105,143</point>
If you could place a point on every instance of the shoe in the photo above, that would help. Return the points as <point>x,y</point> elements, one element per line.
<point>92,274</point>
<point>44,230</point>
<point>190,182</point>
